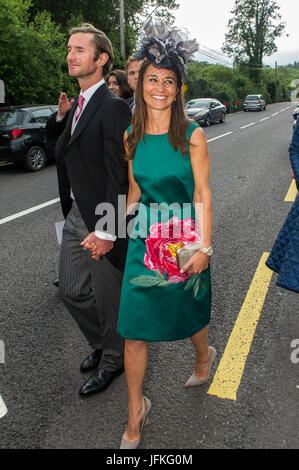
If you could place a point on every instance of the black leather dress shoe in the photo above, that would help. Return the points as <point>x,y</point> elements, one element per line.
<point>99,381</point>
<point>92,361</point>
<point>56,283</point>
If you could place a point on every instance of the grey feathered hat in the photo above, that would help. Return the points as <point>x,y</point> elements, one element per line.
<point>166,47</point>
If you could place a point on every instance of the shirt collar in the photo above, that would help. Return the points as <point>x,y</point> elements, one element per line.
<point>87,94</point>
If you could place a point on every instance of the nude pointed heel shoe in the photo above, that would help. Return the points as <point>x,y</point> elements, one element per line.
<point>194,381</point>
<point>134,444</point>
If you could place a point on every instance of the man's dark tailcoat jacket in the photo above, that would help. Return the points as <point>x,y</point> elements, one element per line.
<point>91,161</point>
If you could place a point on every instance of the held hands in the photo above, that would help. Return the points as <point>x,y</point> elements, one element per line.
<point>64,105</point>
<point>199,262</point>
<point>97,246</point>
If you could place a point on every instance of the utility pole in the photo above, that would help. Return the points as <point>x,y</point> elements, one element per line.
<point>121,28</point>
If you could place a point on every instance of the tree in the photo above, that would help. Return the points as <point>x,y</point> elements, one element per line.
<point>32,56</point>
<point>252,32</point>
<point>104,14</point>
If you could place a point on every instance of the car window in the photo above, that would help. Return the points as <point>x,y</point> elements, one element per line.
<point>41,116</point>
<point>197,104</point>
<point>252,98</point>
<point>10,118</point>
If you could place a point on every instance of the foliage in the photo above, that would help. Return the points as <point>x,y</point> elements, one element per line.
<point>252,32</point>
<point>231,85</point>
<point>32,56</point>
<point>34,36</point>
<point>104,15</point>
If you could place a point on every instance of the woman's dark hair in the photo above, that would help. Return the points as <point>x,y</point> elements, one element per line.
<point>125,90</point>
<point>179,123</point>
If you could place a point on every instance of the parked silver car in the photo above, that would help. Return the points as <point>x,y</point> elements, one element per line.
<point>254,103</point>
<point>205,110</point>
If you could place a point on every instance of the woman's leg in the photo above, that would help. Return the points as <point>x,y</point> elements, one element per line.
<point>200,342</point>
<point>136,354</point>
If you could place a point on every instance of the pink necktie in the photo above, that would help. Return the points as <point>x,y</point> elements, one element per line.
<point>80,106</point>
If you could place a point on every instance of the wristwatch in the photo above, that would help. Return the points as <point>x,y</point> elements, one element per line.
<point>207,251</point>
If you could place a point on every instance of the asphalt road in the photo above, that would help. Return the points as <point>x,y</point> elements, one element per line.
<point>39,375</point>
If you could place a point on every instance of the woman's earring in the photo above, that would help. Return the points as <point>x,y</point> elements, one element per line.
<point>174,99</point>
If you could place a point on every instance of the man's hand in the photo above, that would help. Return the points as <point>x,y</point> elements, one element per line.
<point>64,105</point>
<point>292,174</point>
<point>97,246</point>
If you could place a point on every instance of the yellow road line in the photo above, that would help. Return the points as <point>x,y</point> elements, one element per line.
<point>230,370</point>
<point>292,192</point>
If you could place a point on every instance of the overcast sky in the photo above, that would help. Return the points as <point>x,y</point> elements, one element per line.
<point>206,20</point>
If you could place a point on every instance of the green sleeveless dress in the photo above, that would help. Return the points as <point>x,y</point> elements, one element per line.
<point>157,302</point>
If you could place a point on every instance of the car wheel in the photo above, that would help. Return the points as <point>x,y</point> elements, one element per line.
<point>35,158</point>
<point>222,120</point>
<point>208,121</point>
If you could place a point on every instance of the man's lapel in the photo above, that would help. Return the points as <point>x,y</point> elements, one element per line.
<point>68,127</point>
<point>93,104</point>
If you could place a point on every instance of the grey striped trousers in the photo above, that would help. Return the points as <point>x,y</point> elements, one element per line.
<point>90,290</point>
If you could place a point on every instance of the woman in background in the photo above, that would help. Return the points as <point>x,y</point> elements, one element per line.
<point>117,82</point>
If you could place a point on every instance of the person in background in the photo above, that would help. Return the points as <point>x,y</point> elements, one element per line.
<point>284,256</point>
<point>117,82</point>
<point>132,69</point>
<point>91,170</point>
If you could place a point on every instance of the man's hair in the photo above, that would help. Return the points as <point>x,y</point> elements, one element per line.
<point>101,42</point>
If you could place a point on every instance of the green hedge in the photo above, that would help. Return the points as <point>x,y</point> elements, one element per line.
<point>231,85</point>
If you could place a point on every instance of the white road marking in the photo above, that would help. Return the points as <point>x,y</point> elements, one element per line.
<point>53,201</point>
<point>3,408</point>
<point>248,125</point>
<point>219,137</point>
<point>28,211</point>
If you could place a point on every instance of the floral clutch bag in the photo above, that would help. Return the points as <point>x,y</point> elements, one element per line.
<point>186,252</point>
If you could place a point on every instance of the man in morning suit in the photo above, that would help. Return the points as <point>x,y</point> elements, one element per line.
<point>91,170</point>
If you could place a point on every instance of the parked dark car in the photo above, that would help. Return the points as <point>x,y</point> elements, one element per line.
<point>205,110</point>
<point>23,136</point>
<point>254,103</point>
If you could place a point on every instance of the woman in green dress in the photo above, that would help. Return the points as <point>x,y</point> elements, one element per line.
<point>169,177</point>
<point>168,163</point>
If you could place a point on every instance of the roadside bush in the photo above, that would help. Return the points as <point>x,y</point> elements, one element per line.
<point>231,85</point>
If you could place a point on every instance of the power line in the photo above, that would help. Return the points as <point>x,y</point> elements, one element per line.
<point>213,51</point>
<point>217,59</point>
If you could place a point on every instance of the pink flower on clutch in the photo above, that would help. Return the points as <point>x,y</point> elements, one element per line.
<point>163,242</point>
